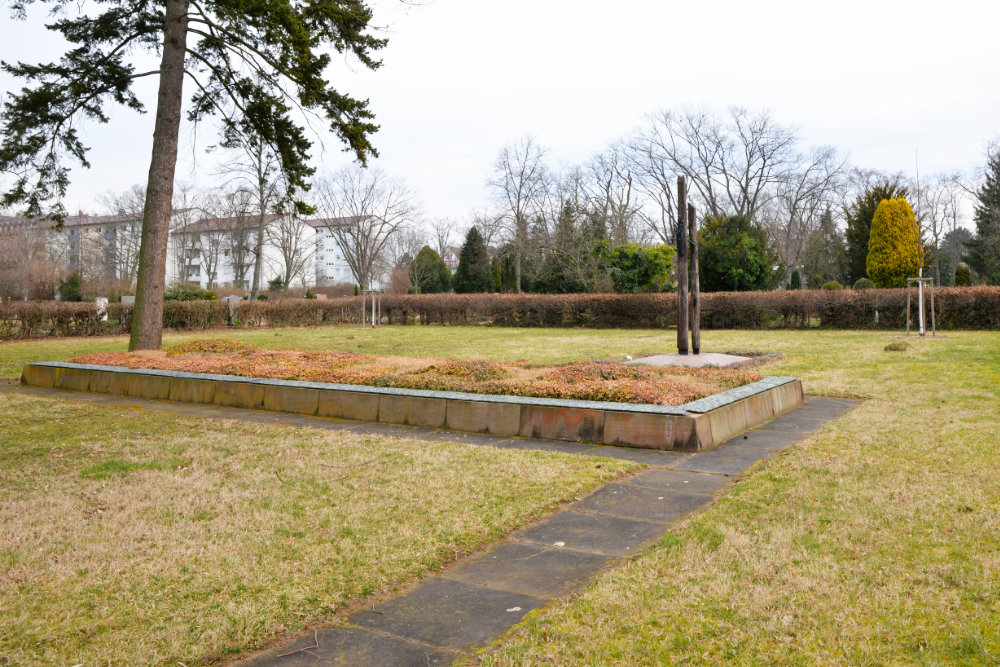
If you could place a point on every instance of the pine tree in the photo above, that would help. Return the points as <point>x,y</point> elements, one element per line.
<point>859,224</point>
<point>894,249</point>
<point>428,272</point>
<point>474,272</point>
<point>255,62</point>
<point>984,248</point>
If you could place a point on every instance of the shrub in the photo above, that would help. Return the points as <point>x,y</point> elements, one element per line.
<point>894,250</point>
<point>309,294</point>
<point>863,283</point>
<point>736,254</point>
<point>179,292</point>
<point>428,273</point>
<point>71,288</point>
<point>796,281</point>
<point>832,285</point>
<point>954,308</point>
<point>275,284</point>
<point>636,268</point>
<point>963,275</point>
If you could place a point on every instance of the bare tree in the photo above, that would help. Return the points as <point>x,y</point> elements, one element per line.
<point>444,230</point>
<point>799,201</point>
<point>612,194</point>
<point>122,244</point>
<point>371,207</point>
<point>519,185</point>
<point>296,245</point>
<point>402,247</point>
<point>939,210</point>
<point>187,210</point>
<point>229,234</point>
<point>256,170</point>
<point>732,164</point>
<point>32,259</point>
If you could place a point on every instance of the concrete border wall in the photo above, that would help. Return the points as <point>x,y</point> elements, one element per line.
<point>693,426</point>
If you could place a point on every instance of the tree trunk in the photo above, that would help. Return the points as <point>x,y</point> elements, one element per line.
<point>258,253</point>
<point>147,318</point>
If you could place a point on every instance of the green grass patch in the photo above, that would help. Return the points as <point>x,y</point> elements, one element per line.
<point>874,541</point>
<point>113,467</point>
<point>134,536</point>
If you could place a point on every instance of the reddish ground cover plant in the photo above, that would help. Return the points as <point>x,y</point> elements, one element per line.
<point>582,380</point>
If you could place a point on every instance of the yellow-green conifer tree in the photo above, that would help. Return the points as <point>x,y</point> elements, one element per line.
<point>894,249</point>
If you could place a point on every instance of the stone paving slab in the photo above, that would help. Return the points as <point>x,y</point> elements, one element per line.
<point>844,404</point>
<point>684,482</point>
<point>639,502</point>
<point>544,572</point>
<point>479,439</point>
<point>449,613</point>
<point>358,647</point>
<point>597,533</point>
<point>771,440</point>
<point>651,457</point>
<point>691,360</point>
<point>724,460</point>
<point>546,445</point>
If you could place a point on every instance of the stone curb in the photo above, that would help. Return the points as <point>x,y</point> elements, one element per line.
<point>694,426</point>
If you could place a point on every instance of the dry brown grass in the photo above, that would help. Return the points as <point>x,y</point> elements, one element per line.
<point>136,537</point>
<point>875,541</point>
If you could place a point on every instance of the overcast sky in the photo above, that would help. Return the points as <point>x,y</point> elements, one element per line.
<point>885,82</point>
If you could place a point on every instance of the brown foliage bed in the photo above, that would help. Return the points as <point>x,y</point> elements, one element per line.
<point>584,380</point>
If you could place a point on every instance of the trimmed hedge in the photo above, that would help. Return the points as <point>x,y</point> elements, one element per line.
<point>955,308</point>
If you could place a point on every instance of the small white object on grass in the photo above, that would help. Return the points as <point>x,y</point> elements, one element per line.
<point>628,357</point>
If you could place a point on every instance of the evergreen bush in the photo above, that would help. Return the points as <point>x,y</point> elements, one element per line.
<point>71,288</point>
<point>894,249</point>
<point>963,275</point>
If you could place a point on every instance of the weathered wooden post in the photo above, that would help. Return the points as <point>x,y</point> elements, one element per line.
<point>694,315</point>
<point>682,269</point>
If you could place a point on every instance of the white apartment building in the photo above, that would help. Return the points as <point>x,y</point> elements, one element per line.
<point>331,264</point>
<point>210,252</point>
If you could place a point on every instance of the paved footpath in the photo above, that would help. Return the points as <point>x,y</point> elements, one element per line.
<point>447,616</point>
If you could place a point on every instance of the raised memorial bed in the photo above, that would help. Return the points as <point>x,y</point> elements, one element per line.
<point>692,425</point>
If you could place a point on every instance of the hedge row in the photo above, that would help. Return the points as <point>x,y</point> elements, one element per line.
<point>955,308</point>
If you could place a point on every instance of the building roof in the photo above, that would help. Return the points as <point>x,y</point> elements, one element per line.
<point>222,224</point>
<point>322,223</point>
<point>81,220</point>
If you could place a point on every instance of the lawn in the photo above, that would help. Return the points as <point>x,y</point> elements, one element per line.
<point>133,536</point>
<point>876,540</point>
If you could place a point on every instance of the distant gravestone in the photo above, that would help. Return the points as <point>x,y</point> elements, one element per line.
<point>233,302</point>
<point>321,297</point>
<point>102,308</point>
<point>125,298</point>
